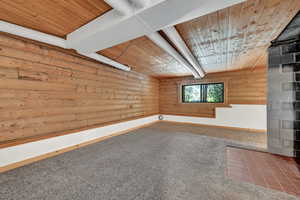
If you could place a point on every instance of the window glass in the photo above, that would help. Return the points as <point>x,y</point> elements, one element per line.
<point>203,93</point>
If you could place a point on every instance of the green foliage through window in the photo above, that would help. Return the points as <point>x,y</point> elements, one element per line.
<point>203,93</point>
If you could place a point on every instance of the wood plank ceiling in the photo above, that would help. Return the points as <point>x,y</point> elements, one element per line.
<point>232,38</point>
<point>238,37</point>
<point>142,55</point>
<point>229,39</point>
<point>56,17</point>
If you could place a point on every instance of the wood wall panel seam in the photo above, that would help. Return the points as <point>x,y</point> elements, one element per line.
<point>241,88</point>
<point>236,37</point>
<point>39,83</point>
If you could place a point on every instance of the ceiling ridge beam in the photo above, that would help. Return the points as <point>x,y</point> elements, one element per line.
<point>165,45</point>
<point>177,40</point>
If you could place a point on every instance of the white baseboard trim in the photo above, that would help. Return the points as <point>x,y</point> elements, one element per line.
<point>15,154</point>
<point>238,116</point>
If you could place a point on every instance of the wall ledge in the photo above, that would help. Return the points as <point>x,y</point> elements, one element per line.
<point>223,127</point>
<point>15,142</point>
<point>238,116</point>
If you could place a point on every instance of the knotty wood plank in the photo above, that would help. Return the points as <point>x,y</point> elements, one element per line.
<point>247,86</point>
<point>44,91</point>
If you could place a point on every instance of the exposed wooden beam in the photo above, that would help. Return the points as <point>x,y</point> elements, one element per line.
<point>161,42</point>
<point>174,36</point>
<point>112,28</point>
<point>53,40</point>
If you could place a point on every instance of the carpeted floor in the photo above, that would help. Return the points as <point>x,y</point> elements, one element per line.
<point>147,164</point>
<point>258,140</point>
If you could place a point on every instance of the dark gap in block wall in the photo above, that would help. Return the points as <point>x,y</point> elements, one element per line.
<point>297,76</point>
<point>297,159</point>
<point>291,67</point>
<point>297,135</point>
<point>297,57</point>
<point>297,96</point>
<point>297,145</point>
<point>297,115</point>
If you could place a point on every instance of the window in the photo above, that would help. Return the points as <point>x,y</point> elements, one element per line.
<point>203,93</point>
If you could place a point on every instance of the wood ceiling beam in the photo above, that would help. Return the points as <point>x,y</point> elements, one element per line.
<point>135,21</point>
<point>177,40</point>
<point>162,43</point>
<point>112,28</point>
<point>53,40</point>
<point>125,8</point>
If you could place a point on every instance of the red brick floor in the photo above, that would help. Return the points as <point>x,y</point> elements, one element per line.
<point>264,169</point>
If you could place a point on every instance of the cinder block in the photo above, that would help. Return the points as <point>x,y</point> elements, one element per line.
<point>275,150</point>
<point>274,143</point>
<point>286,55</point>
<point>288,152</point>
<point>286,134</point>
<point>274,51</point>
<point>288,144</point>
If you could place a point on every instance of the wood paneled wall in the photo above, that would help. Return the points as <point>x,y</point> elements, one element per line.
<point>247,86</point>
<point>46,91</point>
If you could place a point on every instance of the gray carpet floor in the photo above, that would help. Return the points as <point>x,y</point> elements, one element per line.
<point>146,164</point>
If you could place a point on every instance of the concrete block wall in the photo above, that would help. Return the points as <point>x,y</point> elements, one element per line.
<point>284,99</point>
